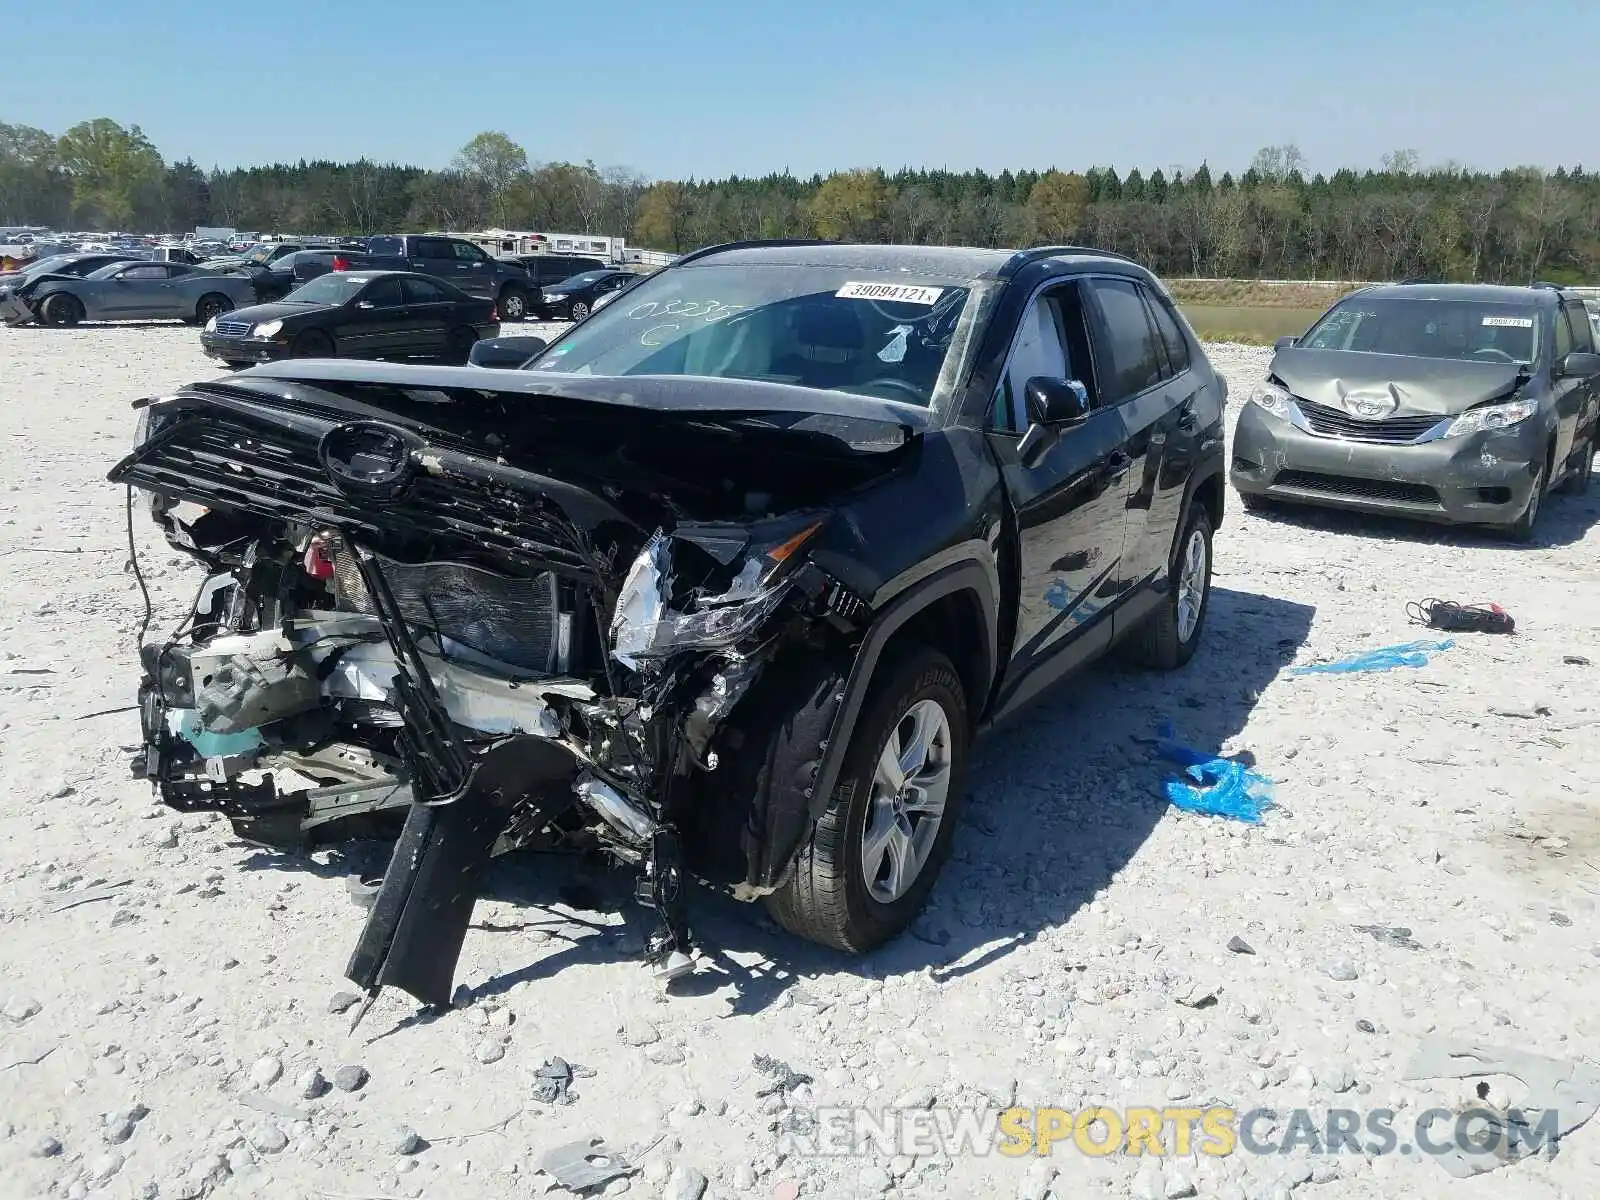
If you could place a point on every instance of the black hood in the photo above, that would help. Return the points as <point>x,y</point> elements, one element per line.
<point>1419,386</point>
<point>256,314</point>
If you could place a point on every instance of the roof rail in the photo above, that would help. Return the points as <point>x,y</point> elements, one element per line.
<point>1554,287</point>
<point>1033,254</point>
<point>751,244</point>
<point>1416,279</point>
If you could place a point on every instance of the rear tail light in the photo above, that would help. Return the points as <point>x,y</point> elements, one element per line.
<point>341,263</point>
<point>318,561</point>
<point>494,312</point>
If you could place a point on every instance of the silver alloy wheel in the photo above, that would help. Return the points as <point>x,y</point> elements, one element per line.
<point>580,310</point>
<point>515,307</point>
<point>1191,585</point>
<point>906,807</point>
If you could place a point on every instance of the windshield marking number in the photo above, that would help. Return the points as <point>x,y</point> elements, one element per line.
<point>893,293</point>
<point>1509,322</point>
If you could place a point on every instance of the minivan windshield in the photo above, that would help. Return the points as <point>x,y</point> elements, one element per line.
<point>1466,330</point>
<point>838,328</point>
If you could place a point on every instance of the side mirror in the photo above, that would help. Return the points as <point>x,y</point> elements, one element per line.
<point>1053,405</point>
<point>1580,364</point>
<point>505,353</point>
<point>1284,343</point>
<point>1057,402</point>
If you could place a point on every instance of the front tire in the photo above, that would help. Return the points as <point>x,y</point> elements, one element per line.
<point>580,310</point>
<point>61,309</point>
<point>1522,529</point>
<point>313,343</point>
<point>878,847</point>
<point>1169,636</point>
<point>1577,480</point>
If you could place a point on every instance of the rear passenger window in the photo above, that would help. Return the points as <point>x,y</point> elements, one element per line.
<point>1177,345</point>
<point>431,248</point>
<point>423,291</point>
<point>1135,362</point>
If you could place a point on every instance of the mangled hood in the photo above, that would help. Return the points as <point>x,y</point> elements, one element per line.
<point>477,454</point>
<point>1415,386</point>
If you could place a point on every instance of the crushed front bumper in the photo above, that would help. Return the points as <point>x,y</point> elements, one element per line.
<point>1481,479</point>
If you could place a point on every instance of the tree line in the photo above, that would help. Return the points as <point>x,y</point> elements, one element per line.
<point>1277,219</point>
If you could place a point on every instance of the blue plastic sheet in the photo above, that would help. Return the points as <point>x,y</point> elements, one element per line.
<point>1384,658</point>
<point>1212,786</point>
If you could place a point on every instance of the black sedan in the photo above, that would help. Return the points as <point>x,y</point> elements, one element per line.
<point>573,299</point>
<point>356,314</point>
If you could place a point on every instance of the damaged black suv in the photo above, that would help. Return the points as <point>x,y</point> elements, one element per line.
<point>722,582</point>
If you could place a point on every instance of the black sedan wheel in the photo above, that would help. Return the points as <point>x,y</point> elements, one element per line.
<point>61,309</point>
<point>461,343</point>
<point>580,310</point>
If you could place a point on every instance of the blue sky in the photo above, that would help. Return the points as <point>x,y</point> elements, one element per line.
<point>708,87</point>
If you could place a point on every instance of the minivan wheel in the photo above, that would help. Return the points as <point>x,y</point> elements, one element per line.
<point>1169,636</point>
<point>1522,529</point>
<point>878,846</point>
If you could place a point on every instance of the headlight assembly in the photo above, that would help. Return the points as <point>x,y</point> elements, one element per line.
<point>1274,400</point>
<point>646,624</point>
<point>1492,417</point>
<point>266,329</point>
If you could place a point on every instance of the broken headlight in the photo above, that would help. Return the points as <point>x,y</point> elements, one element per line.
<point>660,613</point>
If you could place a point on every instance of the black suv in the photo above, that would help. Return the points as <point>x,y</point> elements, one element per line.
<point>723,581</point>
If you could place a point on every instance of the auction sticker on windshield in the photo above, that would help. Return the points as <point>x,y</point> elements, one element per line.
<point>1509,322</point>
<point>894,293</point>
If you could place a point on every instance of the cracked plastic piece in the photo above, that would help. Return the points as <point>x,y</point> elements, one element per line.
<point>580,1166</point>
<point>247,691</point>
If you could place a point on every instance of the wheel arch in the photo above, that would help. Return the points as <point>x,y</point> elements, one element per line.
<point>957,600</point>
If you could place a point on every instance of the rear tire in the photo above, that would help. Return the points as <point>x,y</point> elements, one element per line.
<point>513,304</point>
<point>835,895</point>
<point>61,309</point>
<point>212,304</point>
<point>460,344</point>
<point>313,343</point>
<point>1169,636</point>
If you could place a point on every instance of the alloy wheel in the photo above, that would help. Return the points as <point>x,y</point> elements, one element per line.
<point>1191,585</point>
<point>910,788</point>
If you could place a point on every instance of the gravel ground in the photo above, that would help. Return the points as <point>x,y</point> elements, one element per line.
<point>167,994</point>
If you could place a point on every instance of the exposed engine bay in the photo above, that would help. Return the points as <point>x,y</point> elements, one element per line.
<point>401,632</point>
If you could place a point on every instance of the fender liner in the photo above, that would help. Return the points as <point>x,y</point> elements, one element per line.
<point>789,829</point>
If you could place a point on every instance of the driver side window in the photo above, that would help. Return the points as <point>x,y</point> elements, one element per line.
<point>1052,340</point>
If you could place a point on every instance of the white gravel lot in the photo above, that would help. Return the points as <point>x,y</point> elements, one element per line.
<point>164,989</point>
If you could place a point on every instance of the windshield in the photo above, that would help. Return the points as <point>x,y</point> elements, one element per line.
<point>260,256</point>
<point>1469,330</point>
<point>822,327</point>
<point>334,288</point>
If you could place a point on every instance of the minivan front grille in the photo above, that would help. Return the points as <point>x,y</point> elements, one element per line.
<point>1332,422</point>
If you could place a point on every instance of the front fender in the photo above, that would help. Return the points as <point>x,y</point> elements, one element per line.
<point>793,813</point>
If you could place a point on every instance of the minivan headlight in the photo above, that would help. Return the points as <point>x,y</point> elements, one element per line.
<point>1492,417</point>
<point>1274,399</point>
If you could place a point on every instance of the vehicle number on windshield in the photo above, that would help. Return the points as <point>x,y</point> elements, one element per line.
<point>1509,322</point>
<point>892,293</point>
